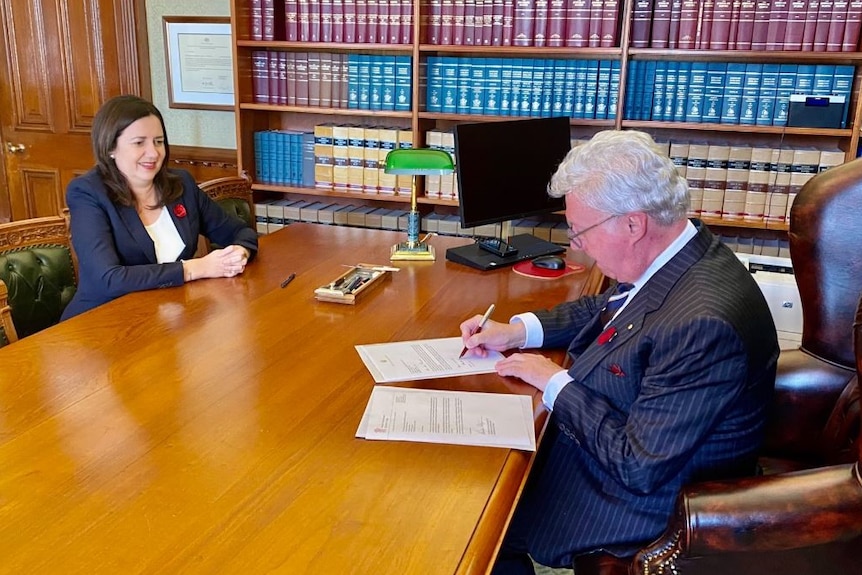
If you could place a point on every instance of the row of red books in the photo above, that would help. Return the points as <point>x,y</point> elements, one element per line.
<point>335,21</point>
<point>300,78</point>
<point>810,25</point>
<point>554,23</point>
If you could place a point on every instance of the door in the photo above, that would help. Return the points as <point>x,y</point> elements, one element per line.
<point>59,60</point>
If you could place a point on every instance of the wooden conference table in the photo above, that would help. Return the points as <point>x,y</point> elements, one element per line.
<point>210,428</point>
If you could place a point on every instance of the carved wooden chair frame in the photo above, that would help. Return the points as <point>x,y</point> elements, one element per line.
<point>50,230</point>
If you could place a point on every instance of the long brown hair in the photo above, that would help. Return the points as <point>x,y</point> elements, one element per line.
<point>111,120</point>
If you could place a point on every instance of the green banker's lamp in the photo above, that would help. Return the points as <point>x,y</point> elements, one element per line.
<point>416,162</point>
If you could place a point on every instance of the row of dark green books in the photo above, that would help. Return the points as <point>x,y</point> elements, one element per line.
<point>533,87</point>
<point>728,92</point>
<point>284,157</point>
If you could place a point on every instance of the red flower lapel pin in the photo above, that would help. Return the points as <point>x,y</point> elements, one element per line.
<point>180,211</point>
<point>616,370</point>
<point>607,335</point>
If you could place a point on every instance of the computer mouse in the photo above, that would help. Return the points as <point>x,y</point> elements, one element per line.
<point>549,262</point>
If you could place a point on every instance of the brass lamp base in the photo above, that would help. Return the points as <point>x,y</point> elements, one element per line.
<point>420,252</point>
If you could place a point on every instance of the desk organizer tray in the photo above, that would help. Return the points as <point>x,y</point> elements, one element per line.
<point>354,284</point>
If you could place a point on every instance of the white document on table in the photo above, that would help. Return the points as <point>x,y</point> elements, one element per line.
<point>423,359</point>
<point>457,417</point>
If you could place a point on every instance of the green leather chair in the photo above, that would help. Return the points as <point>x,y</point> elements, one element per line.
<point>39,270</point>
<point>234,195</point>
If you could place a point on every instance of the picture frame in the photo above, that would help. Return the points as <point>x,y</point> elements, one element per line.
<point>199,61</point>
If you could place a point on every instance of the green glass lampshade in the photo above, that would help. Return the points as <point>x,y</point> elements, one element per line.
<point>419,162</point>
<point>416,162</point>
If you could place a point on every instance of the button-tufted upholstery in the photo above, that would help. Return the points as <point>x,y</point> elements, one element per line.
<point>234,195</point>
<point>38,268</point>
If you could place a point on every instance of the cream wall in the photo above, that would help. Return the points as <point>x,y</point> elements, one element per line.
<point>203,128</point>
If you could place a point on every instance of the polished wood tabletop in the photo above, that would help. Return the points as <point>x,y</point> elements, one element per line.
<point>211,428</point>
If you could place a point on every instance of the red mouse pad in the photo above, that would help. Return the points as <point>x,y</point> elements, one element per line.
<point>526,268</point>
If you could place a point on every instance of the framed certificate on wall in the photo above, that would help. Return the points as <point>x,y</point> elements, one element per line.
<point>199,58</point>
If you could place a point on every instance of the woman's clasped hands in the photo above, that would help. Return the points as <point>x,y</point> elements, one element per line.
<point>222,263</point>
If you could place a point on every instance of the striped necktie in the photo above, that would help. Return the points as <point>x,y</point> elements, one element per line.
<point>615,302</point>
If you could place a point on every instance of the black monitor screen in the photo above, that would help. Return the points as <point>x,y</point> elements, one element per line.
<point>504,168</point>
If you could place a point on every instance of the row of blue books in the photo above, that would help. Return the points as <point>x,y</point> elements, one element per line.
<point>284,157</point>
<point>534,87</point>
<point>728,92</point>
<point>379,82</point>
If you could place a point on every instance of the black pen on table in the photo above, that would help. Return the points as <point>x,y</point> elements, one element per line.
<point>288,280</point>
<point>479,328</point>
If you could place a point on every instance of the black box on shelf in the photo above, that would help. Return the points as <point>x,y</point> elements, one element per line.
<point>815,111</point>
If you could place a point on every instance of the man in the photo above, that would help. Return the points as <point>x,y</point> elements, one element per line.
<point>671,386</point>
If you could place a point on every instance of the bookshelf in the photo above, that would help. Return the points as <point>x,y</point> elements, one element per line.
<point>618,51</point>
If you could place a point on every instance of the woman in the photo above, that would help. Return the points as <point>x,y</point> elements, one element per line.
<point>135,223</point>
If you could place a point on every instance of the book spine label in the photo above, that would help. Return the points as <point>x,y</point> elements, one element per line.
<point>556,36</point>
<point>610,24</point>
<point>696,92</point>
<point>835,35</point>
<point>852,26</point>
<point>255,19</point>
<point>660,24</point>
<point>673,29</point>
<point>766,96</point>
<point>688,20</point>
<point>260,76</point>
<point>642,15</point>
<point>578,23</point>
<point>540,23</point>
<point>272,73</point>
<point>525,12</point>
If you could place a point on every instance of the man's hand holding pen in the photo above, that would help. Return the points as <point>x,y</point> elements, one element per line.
<point>533,368</point>
<point>494,336</point>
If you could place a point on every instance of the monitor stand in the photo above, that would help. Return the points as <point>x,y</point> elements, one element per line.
<point>528,246</point>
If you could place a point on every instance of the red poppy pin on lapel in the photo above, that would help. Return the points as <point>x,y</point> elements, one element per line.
<point>180,211</point>
<point>616,370</point>
<point>607,335</point>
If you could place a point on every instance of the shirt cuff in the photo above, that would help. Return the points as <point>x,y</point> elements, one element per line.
<point>535,333</point>
<point>555,385</point>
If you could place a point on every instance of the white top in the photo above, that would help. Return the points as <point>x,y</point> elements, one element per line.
<point>169,245</point>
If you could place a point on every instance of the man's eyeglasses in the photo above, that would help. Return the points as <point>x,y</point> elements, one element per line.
<point>575,237</point>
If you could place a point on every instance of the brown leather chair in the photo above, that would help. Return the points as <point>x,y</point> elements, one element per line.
<point>39,270</point>
<point>804,515</point>
<point>234,195</point>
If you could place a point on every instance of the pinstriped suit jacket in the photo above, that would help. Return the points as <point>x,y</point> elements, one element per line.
<point>679,394</point>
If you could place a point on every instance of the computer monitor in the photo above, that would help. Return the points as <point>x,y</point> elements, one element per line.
<point>503,168</point>
<point>503,173</point>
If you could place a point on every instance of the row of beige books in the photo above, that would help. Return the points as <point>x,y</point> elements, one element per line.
<point>351,158</point>
<point>747,184</point>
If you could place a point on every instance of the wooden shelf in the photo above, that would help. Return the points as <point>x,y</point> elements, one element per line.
<point>738,128</point>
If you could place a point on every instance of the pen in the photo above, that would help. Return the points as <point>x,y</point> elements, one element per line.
<point>478,329</point>
<point>288,280</point>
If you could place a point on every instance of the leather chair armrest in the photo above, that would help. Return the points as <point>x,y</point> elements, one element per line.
<point>771,513</point>
<point>806,390</point>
